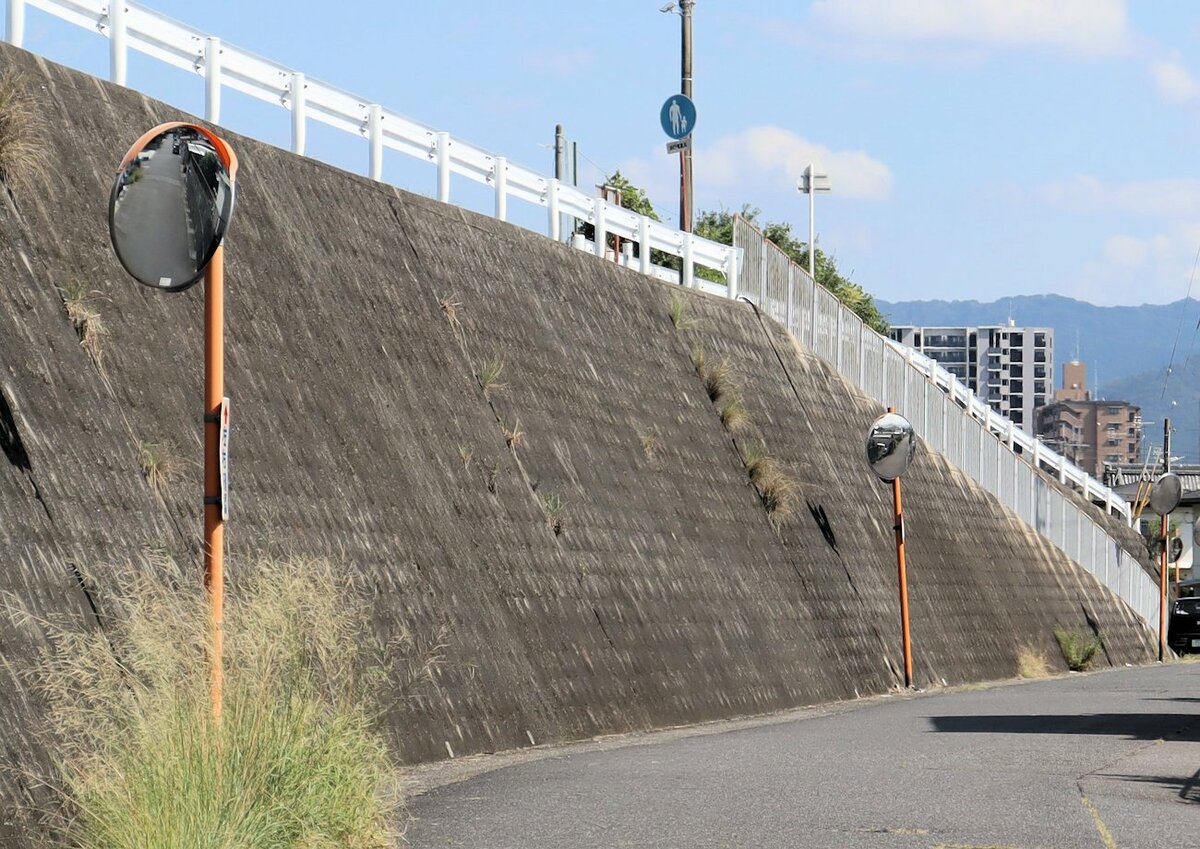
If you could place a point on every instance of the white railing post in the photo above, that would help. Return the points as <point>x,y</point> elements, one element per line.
<point>1037,454</point>
<point>689,268</point>
<point>841,329</point>
<point>644,244</point>
<point>1011,436</point>
<point>15,32</point>
<point>443,167</point>
<point>375,139</point>
<point>116,43</point>
<point>552,209</point>
<point>731,274</point>
<point>598,209</point>
<point>299,113</point>
<point>762,274</point>
<point>212,80</point>
<point>500,164</point>
<point>1062,469</point>
<point>790,308</point>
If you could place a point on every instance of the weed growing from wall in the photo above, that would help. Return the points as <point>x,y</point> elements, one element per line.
<point>1078,650</point>
<point>553,507</point>
<point>489,374</point>
<point>23,157</point>
<point>80,304</point>
<point>677,309</point>
<point>161,465</point>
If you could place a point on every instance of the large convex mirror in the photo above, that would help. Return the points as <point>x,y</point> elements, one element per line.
<point>890,446</point>
<point>169,209</point>
<point>1166,493</point>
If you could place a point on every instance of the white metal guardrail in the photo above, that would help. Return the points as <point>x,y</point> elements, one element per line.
<point>982,443</point>
<point>128,26</point>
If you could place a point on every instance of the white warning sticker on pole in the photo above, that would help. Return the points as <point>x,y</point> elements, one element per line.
<point>223,453</point>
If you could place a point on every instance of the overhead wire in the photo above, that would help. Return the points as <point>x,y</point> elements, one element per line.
<point>1179,329</point>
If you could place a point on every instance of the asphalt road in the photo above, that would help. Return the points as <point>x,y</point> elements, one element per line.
<point>1101,760</point>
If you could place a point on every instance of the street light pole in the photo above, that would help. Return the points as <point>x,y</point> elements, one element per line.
<point>685,84</point>
<point>810,183</point>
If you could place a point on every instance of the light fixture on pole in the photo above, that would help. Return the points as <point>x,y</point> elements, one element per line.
<point>810,183</point>
<point>168,212</point>
<point>890,448</point>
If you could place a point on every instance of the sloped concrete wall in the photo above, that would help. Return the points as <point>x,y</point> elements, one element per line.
<point>586,535</point>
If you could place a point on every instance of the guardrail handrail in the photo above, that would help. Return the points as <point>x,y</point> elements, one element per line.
<point>976,439</point>
<point>129,26</point>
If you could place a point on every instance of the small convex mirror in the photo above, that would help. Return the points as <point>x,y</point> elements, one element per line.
<point>1166,493</point>
<point>169,208</point>
<point>890,446</point>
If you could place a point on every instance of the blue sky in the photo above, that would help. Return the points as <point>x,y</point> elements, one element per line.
<point>977,148</point>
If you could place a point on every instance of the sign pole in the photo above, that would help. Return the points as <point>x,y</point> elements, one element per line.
<point>214,525</point>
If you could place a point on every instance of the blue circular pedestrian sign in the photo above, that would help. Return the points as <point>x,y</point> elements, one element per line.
<point>678,116</point>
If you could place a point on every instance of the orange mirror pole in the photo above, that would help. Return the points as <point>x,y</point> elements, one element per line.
<point>906,635</point>
<point>214,525</point>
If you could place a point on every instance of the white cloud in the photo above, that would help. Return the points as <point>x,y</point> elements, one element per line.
<point>767,156</point>
<point>757,165</point>
<point>1085,27</point>
<point>1085,194</point>
<point>561,61</point>
<point>1140,269</point>
<point>1174,81</point>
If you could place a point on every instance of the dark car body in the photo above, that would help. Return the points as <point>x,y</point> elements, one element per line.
<point>1183,634</point>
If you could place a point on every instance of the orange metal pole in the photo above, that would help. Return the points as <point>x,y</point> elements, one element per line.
<point>214,527</point>
<point>1162,593</point>
<point>908,665</point>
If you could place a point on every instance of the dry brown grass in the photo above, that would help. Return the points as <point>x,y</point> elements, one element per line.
<point>1032,663</point>
<point>775,487</point>
<point>734,415</point>
<point>23,157</point>
<point>161,465</point>
<point>80,304</point>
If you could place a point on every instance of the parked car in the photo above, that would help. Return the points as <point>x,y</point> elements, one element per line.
<point>1183,634</point>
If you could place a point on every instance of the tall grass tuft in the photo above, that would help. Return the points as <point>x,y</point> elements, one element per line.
<point>295,760</point>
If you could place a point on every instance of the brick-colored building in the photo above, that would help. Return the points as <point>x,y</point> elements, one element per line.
<point>1091,433</point>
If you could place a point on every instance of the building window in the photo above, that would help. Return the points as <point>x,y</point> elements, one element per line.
<point>1016,339</point>
<point>1039,340</point>
<point>1113,411</point>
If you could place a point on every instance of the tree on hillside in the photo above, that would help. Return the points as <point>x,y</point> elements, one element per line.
<point>718,227</point>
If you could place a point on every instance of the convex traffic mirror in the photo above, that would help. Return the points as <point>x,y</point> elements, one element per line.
<point>170,205</point>
<point>890,446</point>
<point>1166,493</point>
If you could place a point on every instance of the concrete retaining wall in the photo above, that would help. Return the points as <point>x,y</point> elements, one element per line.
<point>665,595</point>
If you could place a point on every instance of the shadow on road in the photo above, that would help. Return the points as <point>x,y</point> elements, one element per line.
<point>1187,788</point>
<point>1131,726</point>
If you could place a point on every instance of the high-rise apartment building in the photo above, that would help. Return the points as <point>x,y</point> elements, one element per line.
<point>1093,434</point>
<point>1010,367</point>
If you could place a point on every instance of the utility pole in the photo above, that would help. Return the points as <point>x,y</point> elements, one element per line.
<point>685,156</point>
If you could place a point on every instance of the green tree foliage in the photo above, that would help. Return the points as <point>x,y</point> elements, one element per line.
<point>718,227</point>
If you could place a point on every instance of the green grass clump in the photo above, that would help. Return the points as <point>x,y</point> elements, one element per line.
<point>295,760</point>
<point>1078,651</point>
